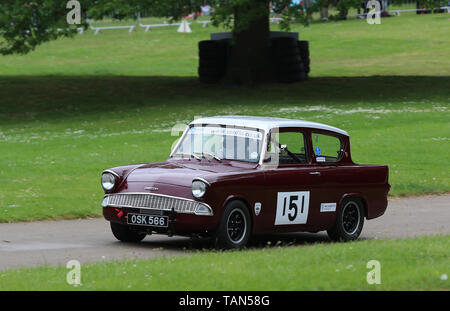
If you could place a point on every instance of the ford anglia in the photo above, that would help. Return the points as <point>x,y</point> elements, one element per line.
<point>231,177</point>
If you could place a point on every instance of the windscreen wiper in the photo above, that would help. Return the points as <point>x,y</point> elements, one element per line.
<point>191,155</point>
<point>212,155</point>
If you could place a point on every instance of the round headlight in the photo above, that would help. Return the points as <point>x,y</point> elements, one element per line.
<point>198,189</point>
<point>108,181</point>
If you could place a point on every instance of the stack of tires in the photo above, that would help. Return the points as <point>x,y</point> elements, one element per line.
<point>212,60</point>
<point>288,63</point>
<point>303,47</point>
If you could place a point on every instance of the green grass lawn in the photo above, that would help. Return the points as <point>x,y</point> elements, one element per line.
<point>77,106</point>
<point>410,264</point>
<point>406,45</point>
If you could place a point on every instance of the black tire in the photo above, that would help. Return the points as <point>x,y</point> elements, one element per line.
<point>212,55</point>
<point>288,60</point>
<point>290,68</point>
<point>125,233</point>
<point>292,77</point>
<point>307,66</point>
<point>209,80</point>
<point>209,71</point>
<point>235,226</point>
<point>304,54</point>
<point>210,75</point>
<point>285,53</point>
<point>349,221</point>
<point>213,60</point>
<point>210,45</point>
<point>303,46</point>
<point>215,63</point>
<point>212,49</point>
<point>283,43</point>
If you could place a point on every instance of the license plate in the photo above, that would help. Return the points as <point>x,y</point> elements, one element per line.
<point>148,220</point>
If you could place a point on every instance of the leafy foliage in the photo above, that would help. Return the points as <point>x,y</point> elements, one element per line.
<point>24,25</point>
<point>431,3</point>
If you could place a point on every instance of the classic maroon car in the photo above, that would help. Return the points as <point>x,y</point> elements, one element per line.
<point>232,177</point>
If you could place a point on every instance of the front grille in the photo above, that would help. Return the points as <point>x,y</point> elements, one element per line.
<point>155,202</point>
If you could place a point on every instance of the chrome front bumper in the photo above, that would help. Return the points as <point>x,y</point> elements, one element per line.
<point>158,202</point>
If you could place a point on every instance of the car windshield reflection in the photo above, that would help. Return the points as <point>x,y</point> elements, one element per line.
<point>217,142</point>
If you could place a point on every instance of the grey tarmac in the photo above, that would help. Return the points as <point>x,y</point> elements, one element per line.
<point>28,244</point>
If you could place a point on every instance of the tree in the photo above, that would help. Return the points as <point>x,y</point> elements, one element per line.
<point>26,25</point>
<point>250,60</point>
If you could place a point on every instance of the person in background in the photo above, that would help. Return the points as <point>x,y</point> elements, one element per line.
<point>206,9</point>
<point>307,4</point>
<point>323,4</point>
<point>342,8</point>
<point>273,10</point>
<point>362,8</point>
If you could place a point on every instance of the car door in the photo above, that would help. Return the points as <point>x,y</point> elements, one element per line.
<point>293,190</point>
<point>327,150</point>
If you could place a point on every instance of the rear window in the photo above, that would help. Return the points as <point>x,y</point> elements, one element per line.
<point>327,148</point>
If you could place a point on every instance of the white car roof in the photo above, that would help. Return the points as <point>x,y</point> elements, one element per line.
<point>265,123</point>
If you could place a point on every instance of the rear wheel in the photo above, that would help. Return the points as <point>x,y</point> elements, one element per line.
<point>235,226</point>
<point>125,233</point>
<point>349,221</point>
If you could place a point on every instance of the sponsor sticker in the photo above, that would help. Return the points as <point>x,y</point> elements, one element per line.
<point>320,159</point>
<point>210,130</point>
<point>327,207</point>
<point>257,208</point>
<point>318,151</point>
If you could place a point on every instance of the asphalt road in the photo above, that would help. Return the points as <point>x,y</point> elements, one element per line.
<point>90,240</point>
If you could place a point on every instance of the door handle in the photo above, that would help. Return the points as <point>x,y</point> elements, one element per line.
<point>314,173</point>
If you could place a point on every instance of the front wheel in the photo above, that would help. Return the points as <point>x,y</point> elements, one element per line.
<point>235,226</point>
<point>126,234</point>
<point>349,221</point>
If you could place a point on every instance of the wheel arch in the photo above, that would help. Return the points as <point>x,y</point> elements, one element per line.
<point>242,199</point>
<point>358,196</point>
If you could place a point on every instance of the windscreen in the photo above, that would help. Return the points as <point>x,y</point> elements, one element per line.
<point>230,143</point>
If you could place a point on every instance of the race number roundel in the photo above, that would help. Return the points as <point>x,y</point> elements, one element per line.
<point>292,208</point>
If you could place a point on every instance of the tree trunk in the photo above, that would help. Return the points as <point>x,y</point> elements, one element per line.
<point>250,54</point>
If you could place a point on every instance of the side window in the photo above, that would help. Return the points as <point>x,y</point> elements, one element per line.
<point>293,148</point>
<point>326,148</point>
